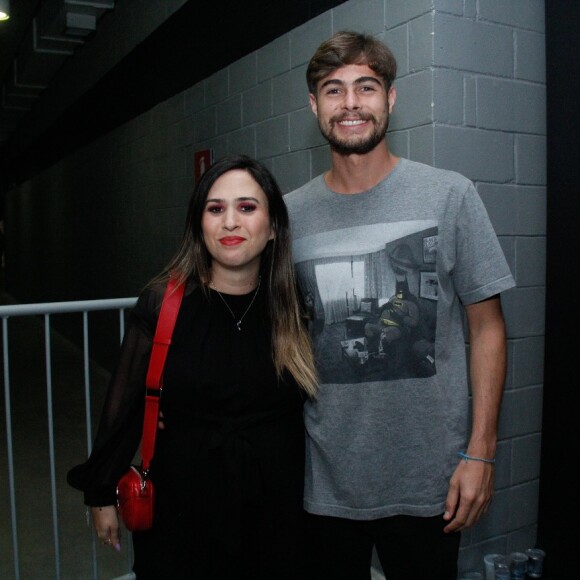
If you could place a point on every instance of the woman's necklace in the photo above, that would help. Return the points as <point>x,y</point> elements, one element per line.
<point>239,322</point>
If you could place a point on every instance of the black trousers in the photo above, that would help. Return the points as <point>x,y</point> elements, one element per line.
<point>409,548</point>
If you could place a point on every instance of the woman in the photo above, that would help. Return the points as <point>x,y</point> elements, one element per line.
<point>228,463</point>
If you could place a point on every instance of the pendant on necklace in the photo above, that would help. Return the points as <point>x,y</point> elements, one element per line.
<point>239,322</point>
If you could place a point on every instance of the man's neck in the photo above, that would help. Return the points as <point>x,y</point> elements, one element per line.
<point>352,174</point>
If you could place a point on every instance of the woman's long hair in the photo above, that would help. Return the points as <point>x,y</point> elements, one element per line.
<point>292,349</point>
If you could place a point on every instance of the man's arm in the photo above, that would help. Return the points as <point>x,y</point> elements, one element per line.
<point>472,484</point>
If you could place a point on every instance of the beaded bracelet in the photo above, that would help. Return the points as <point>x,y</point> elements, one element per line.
<point>466,457</point>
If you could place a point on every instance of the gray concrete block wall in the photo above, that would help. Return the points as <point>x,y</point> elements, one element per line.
<point>471,98</point>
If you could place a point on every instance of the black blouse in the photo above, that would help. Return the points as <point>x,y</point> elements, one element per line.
<point>221,397</point>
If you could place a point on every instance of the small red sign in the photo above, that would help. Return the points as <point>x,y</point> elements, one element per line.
<point>201,161</point>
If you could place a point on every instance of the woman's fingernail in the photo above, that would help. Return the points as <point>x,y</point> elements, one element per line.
<point>118,547</point>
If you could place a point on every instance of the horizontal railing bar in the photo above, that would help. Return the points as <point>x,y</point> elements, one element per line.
<point>62,307</point>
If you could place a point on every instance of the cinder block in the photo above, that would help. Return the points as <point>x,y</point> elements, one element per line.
<point>494,523</point>
<point>475,46</point>
<point>503,464</point>
<point>363,15</point>
<point>531,261</point>
<point>168,112</point>
<point>183,133</point>
<point>274,58</point>
<point>304,131</point>
<point>289,91</point>
<point>397,12</point>
<point>229,115</point>
<point>243,141</point>
<point>530,56</point>
<point>524,310</point>
<point>421,42</point>
<point>305,40</point>
<point>397,40</point>
<point>449,102</point>
<point>499,201</point>
<point>414,98</point>
<point>520,13</point>
<point>421,144</point>
<point>195,98</point>
<point>522,539</point>
<point>243,74</point>
<point>218,144</point>
<point>449,6</point>
<point>526,458</point>
<point>508,384</point>
<point>479,155</point>
<point>470,8</point>
<point>399,143</point>
<point>257,103</point>
<point>292,170</point>
<point>530,214</point>
<point>531,159</point>
<point>528,361</point>
<point>509,105</point>
<point>521,412</point>
<point>319,160</point>
<point>205,126</point>
<point>272,137</point>
<point>218,86</point>
<point>158,142</point>
<point>515,209</point>
<point>523,507</point>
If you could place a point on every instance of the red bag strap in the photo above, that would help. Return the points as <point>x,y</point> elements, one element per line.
<point>154,382</point>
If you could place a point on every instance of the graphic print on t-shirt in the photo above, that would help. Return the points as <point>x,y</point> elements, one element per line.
<point>371,298</point>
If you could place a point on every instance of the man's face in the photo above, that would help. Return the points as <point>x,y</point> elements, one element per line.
<point>352,106</point>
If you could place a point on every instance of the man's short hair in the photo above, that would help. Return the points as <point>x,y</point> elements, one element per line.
<point>346,47</point>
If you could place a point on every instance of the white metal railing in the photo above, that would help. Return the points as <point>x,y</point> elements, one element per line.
<point>46,310</point>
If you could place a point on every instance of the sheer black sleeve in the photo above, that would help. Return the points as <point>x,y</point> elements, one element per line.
<point>120,428</point>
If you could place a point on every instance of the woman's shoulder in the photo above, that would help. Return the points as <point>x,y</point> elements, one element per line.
<point>151,297</point>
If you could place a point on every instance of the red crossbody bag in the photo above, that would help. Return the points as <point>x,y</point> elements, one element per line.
<point>135,491</point>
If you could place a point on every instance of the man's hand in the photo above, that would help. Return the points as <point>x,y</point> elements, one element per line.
<point>470,493</point>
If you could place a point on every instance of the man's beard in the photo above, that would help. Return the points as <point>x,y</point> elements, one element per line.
<point>358,147</point>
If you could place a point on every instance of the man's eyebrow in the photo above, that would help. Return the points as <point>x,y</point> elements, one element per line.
<point>359,81</point>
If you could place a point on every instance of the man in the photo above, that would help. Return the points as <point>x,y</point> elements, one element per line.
<point>390,462</point>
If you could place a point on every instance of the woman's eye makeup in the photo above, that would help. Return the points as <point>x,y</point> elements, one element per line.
<point>214,207</point>
<point>243,206</point>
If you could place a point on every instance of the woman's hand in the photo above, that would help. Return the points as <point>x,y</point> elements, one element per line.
<point>106,523</point>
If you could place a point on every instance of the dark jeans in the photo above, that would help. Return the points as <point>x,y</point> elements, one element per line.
<point>409,548</point>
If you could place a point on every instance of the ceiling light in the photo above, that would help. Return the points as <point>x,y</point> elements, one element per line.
<point>4,9</point>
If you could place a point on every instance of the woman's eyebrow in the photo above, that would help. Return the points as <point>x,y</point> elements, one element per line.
<point>236,199</point>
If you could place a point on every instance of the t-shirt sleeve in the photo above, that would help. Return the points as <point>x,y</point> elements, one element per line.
<point>481,270</point>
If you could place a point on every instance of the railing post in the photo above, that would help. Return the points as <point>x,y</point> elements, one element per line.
<point>49,405</point>
<point>10,449</point>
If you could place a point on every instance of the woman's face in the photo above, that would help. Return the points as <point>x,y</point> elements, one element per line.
<point>235,223</point>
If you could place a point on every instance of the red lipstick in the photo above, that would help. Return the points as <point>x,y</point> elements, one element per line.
<point>231,240</point>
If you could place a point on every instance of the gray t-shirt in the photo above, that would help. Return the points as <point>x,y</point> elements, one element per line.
<point>384,274</point>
